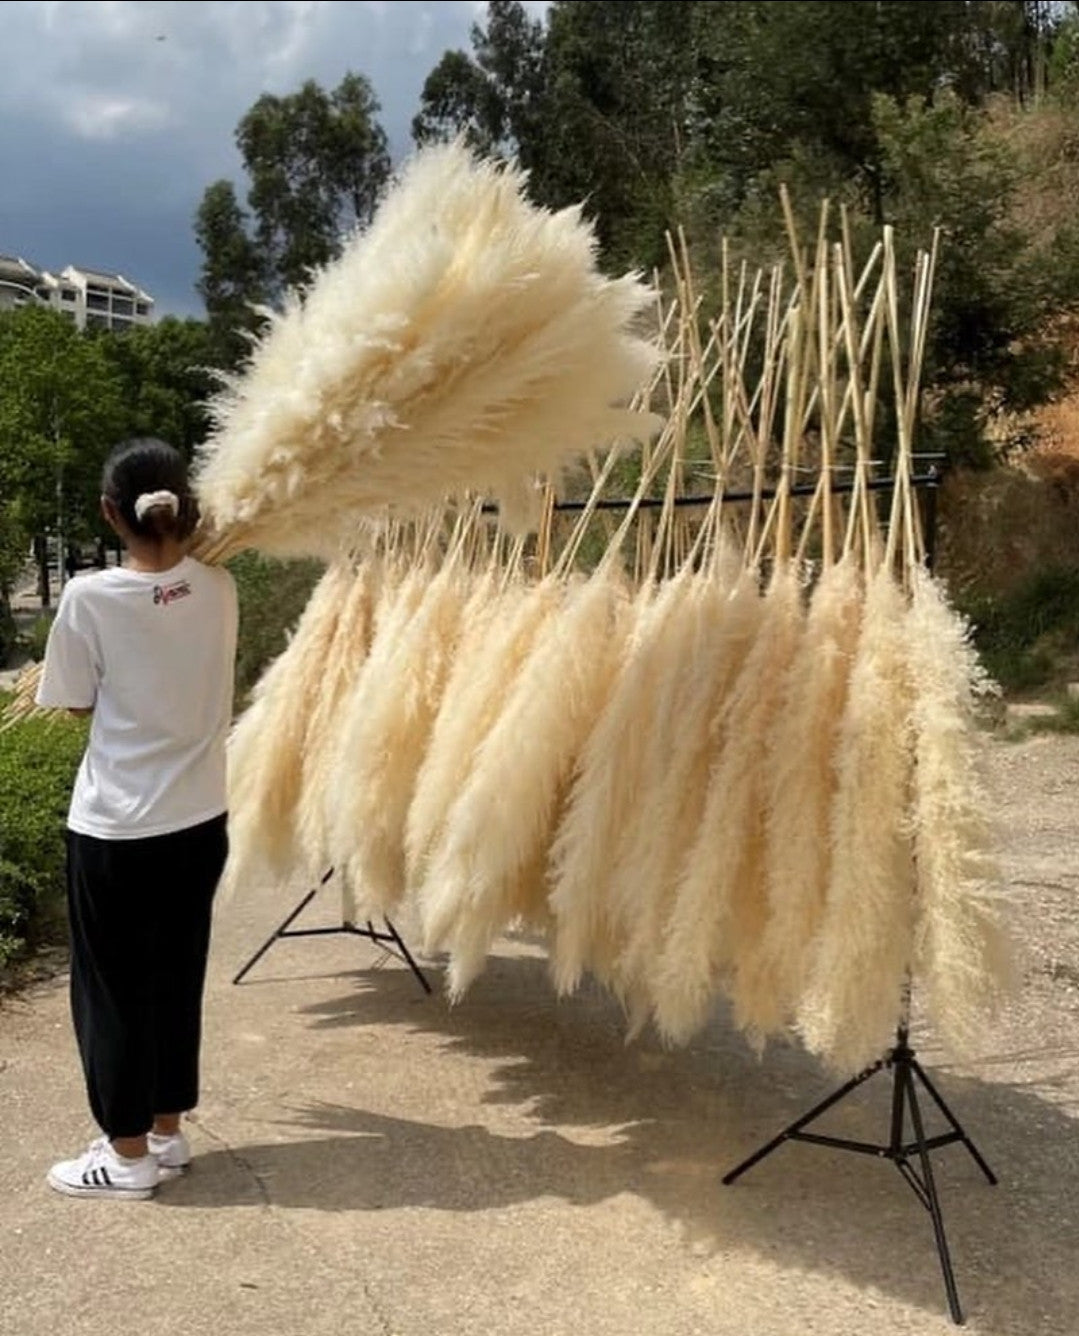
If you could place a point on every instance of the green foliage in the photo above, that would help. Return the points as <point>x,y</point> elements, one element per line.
<point>1023,638</point>
<point>316,163</point>
<point>61,409</point>
<point>233,278</point>
<point>1066,719</point>
<point>38,761</point>
<point>166,374</point>
<point>459,98</point>
<point>272,595</point>
<point>991,351</point>
<point>36,637</point>
<point>8,632</point>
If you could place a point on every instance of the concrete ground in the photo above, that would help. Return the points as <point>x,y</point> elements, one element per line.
<point>370,1161</point>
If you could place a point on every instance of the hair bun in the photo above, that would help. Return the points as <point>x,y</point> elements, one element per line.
<point>147,501</point>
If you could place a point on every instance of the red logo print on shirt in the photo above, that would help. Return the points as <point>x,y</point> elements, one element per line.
<point>166,594</point>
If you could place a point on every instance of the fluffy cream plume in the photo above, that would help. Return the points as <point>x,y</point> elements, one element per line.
<point>704,646</point>
<point>961,954</point>
<point>503,819</point>
<point>497,637</point>
<point>730,623</point>
<point>344,659</point>
<point>864,944</point>
<point>603,798</point>
<point>398,603</point>
<point>802,777</point>
<point>465,342</point>
<point>385,732</point>
<point>719,905</point>
<point>266,748</point>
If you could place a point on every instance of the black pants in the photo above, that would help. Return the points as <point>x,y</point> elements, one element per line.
<point>140,930</point>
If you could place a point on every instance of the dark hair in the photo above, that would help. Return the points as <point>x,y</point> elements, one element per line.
<point>145,465</point>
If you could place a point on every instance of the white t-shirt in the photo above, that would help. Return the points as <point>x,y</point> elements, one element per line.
<point>153,655</point>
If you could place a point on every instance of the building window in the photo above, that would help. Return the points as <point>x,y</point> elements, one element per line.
<point>97,322</point>
<point>143,308</point>
<point>96,302</point>
<point>122,306</point>
<point>43,293</point>
<point>68,295</point>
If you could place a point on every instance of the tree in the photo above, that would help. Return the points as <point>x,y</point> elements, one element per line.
<point>61,409</point>
<point>166,373</point>
<point>316,163</point>
<point>458,98</point>
<point>496,97</point>
<point>234,276</point>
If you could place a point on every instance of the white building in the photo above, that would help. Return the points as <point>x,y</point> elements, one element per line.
<point>20,283</point>
<point>92,298</point>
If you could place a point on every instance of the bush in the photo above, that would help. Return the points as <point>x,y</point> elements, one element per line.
<point>35,637</point>
<point>272,594</point>
<point>1025,636</point>
<point>38,761</point>
<point>7,631</point>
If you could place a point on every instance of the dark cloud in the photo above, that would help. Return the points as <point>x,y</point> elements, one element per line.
<point>115,116</point>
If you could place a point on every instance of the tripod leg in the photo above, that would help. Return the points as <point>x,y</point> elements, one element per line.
<point>278,932</point>
<point>905,1076</point>
<point>938,1100</point>
<point>407,956</point>
<point>804,1121</point>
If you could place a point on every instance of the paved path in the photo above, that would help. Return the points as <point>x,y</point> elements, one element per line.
<point>370,1161</point>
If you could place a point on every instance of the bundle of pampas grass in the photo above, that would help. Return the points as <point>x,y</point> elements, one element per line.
<point>603,800</point>
<point>464,343</point>
<point>705,642</point>
<point>268,744</point>
<point>347,803</point>
<point>718,906</point>
<point>385,732</point>
<point>345,657</point>
<point>495,642</point>
<point>801,765</point>
<point>864,944</point>
<point>679,791</point>
<point>501,824</point>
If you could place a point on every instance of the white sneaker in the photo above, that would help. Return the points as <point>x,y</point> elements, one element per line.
<point>100,1172</point>
<point>173,1154</point>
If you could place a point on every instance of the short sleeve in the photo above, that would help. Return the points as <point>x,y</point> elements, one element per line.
<point>71,673</point>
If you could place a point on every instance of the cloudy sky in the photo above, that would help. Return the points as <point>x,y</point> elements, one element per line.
<point>115,115</point>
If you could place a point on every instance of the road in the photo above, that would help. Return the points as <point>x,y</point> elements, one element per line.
<point>371,1161</point>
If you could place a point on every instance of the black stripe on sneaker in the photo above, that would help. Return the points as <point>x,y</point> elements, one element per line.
<point>106,1181</point>
<point>86,1178</point>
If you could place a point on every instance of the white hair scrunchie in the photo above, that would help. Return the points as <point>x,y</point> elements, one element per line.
<point>147,501</point>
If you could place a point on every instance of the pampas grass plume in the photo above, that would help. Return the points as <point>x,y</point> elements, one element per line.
<point>503,820</point>
<point>802,776</point>
<point>961,953</point>
<point>465,342</point>
<point>864,944</point>
<point>718,909</point>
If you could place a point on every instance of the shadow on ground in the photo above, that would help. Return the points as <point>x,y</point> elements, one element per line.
<point>665,1127</point>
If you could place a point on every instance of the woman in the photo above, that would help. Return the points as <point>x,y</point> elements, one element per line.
<point>148,649</point>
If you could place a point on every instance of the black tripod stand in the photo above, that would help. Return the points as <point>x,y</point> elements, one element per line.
<point>910,1157</point>
<point>390,940</point>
